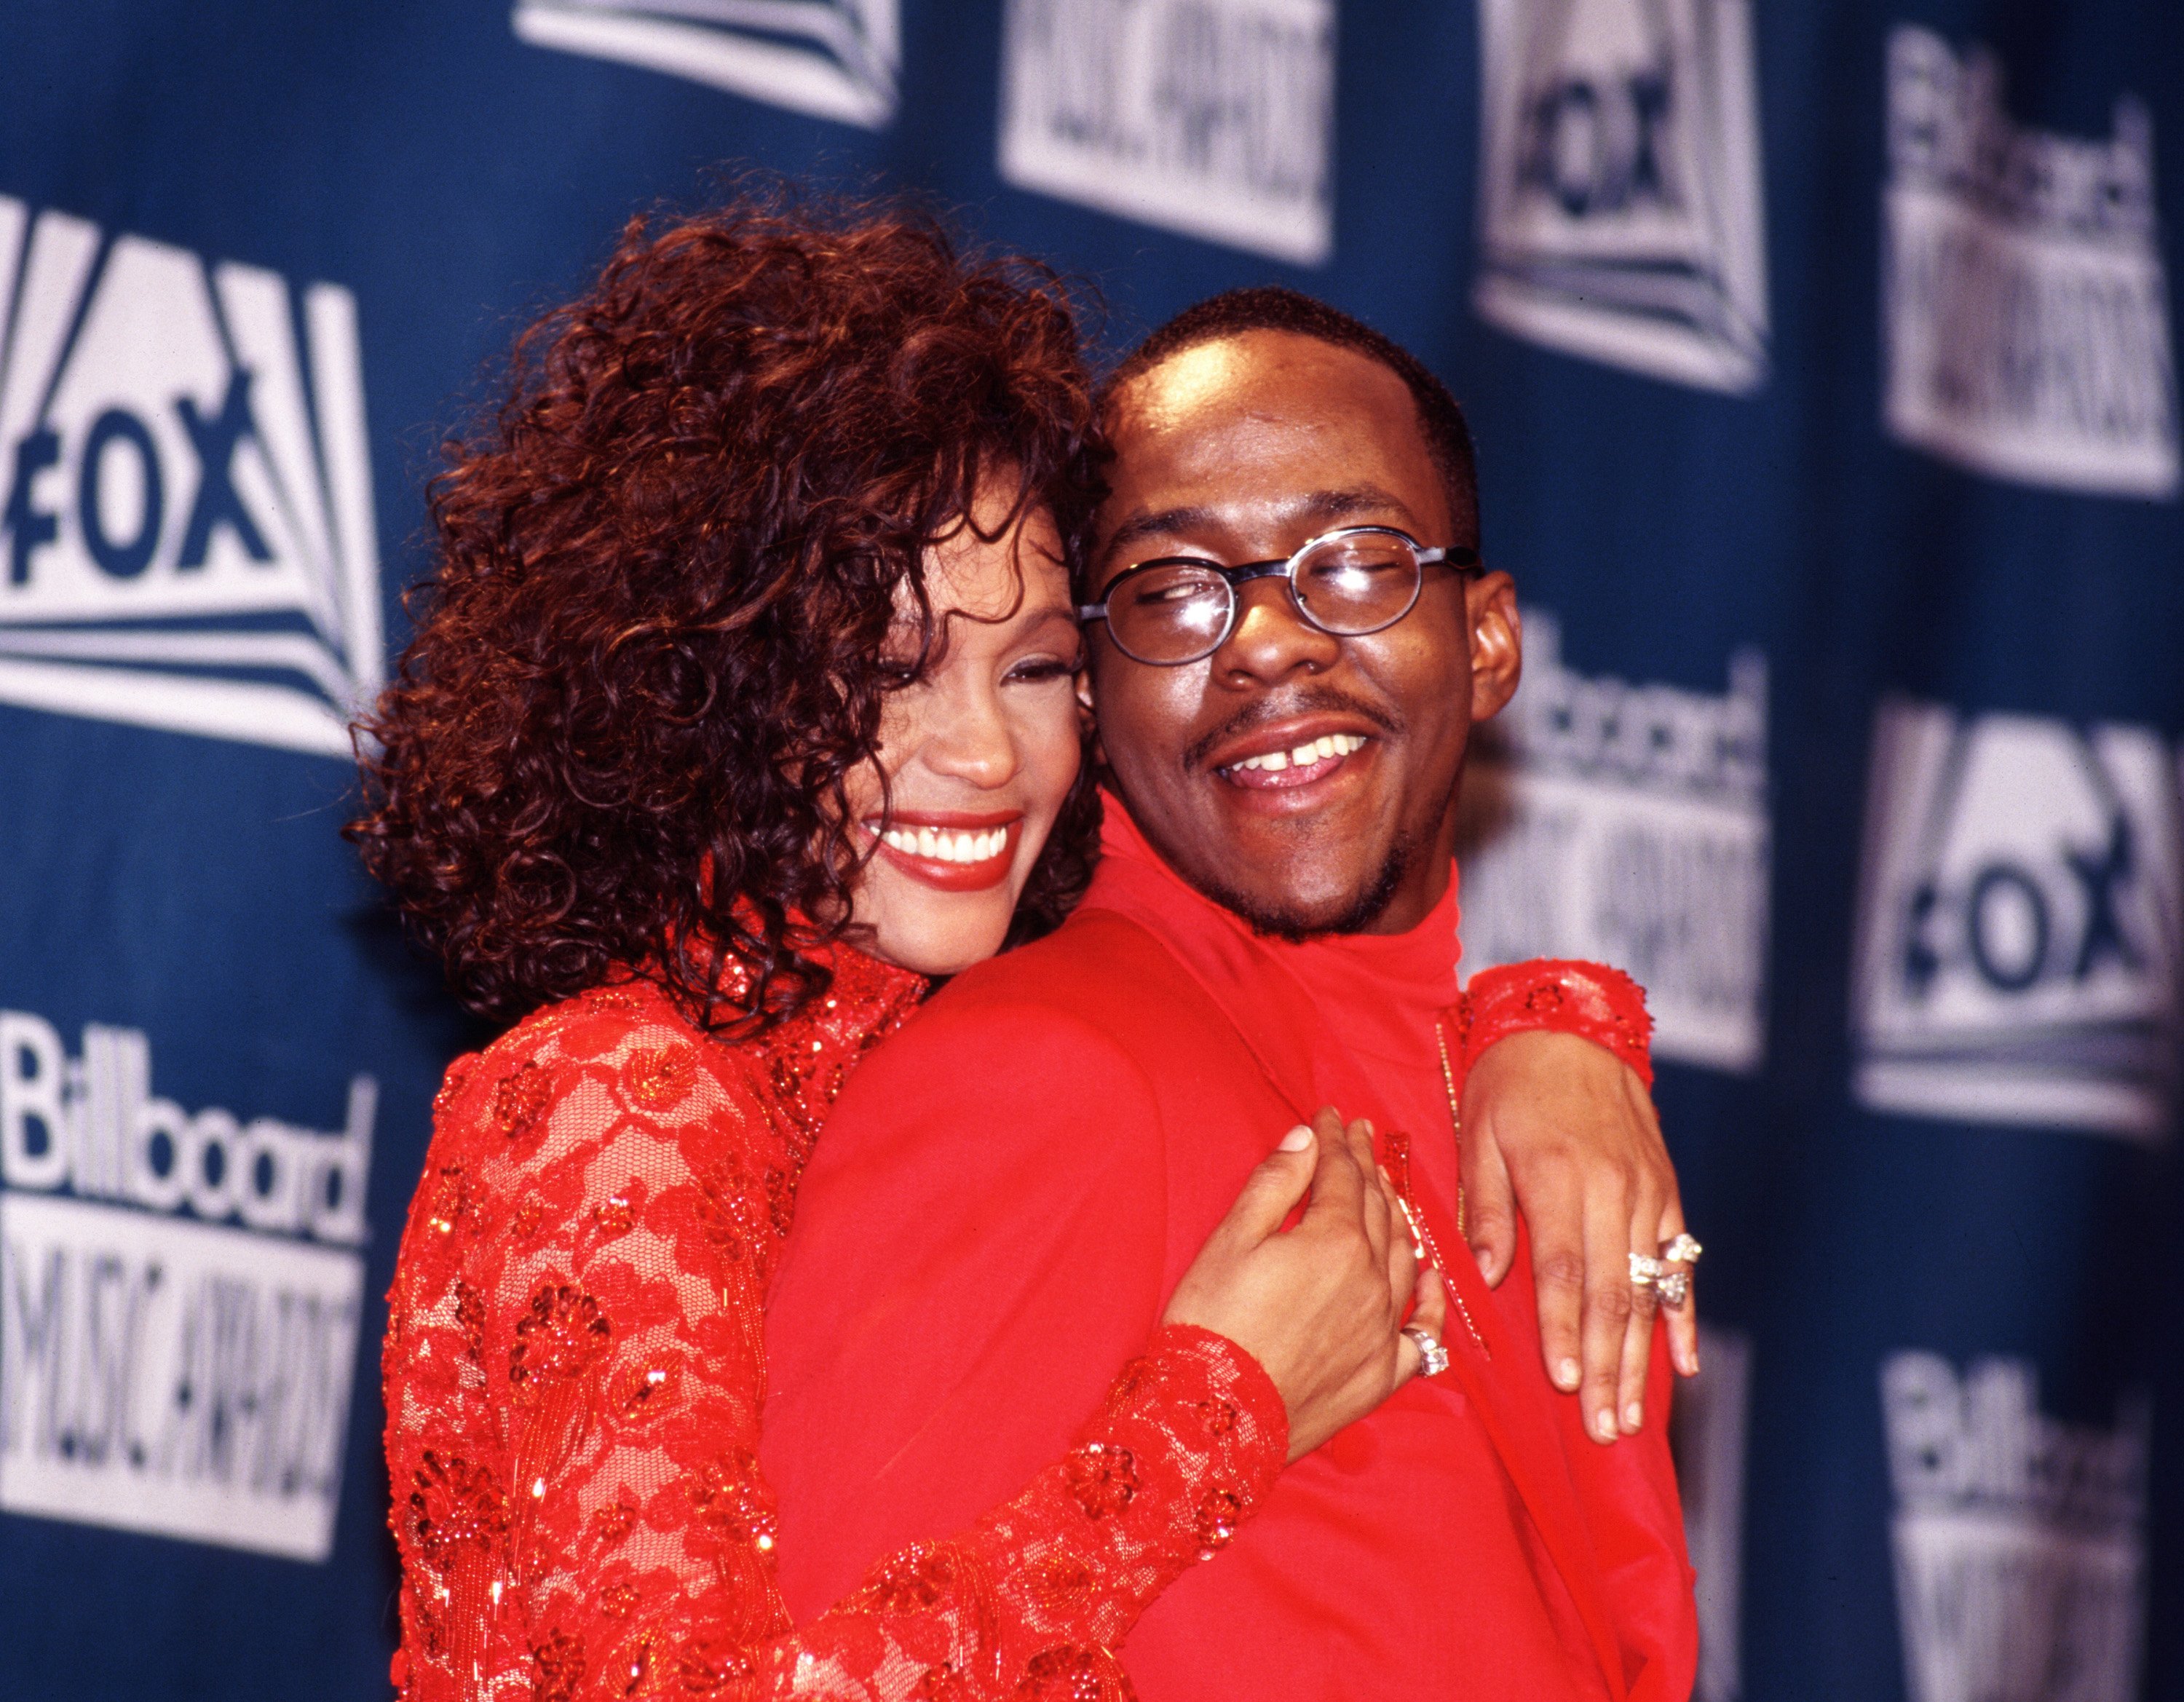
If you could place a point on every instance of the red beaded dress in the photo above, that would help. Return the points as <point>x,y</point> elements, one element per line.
<point>574,1372</point>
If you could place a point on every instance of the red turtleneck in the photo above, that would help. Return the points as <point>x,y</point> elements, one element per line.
<point>1006,1194</point>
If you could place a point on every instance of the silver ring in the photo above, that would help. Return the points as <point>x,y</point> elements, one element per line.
<point>1674,1288</point>
<point>1644,1272</point>
<point>1433,1358</point>
<point>1683,1250</point>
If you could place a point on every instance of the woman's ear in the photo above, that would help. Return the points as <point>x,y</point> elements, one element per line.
<point>1089,723</point>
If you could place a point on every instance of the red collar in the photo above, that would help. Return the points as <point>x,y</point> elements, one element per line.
<point>1407,979</point>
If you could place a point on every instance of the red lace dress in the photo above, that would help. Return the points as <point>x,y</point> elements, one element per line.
<point>574,1369</point>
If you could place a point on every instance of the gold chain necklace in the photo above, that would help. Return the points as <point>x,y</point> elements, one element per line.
<point>1425,1238</point>
<point>1454,1119</point>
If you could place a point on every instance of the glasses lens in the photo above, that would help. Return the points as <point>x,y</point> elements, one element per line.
<point>1169,611</point>
<point>1358,582</point>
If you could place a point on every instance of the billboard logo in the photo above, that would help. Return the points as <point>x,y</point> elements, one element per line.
<point>1211,117</point>
<point>2025,306</point>
<point>2020,1547</point>
<point>2018,932</point>
<point>180,1299</point>
<point>186,537</point>
<point>1628,823</point>
<point>1620,194</point>
<point>834,59</point>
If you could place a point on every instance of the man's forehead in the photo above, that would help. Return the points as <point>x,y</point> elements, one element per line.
<point>1252,428</point>
<point>1295,374</point>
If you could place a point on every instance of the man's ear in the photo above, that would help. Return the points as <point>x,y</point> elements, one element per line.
<point>1497,642</point>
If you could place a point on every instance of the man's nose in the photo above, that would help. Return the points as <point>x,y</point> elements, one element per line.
<point>973,740</point>
<point>1271,638</point>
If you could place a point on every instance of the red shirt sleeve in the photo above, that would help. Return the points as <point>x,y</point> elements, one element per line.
<point>928,1351</point>
<point>1627,1491</point>
<point>1563,996</point>
<point>1633,1517</point>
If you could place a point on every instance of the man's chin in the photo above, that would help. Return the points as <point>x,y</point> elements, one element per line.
<point>1352,907</point>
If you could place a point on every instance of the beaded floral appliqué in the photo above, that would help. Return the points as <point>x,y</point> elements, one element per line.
<point>573,1389</point>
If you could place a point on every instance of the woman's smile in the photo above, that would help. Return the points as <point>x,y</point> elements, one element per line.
<point>956,850</point>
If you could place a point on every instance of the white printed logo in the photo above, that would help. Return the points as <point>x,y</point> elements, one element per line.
<point>1619,194</point>
<point>1708,1426</point>
<point>1628,823</point>
<point>2018,922</point>
<point>2020,1547</point>
<point>834,59</point>
<point>186,537</point>
<point>2026,307</point>
<point>1210,117</point>
<point>187,1375</point>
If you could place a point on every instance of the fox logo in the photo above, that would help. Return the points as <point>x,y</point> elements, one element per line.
<point>2018,925</point>
<point>187,535</point>
<point>1619,195</point>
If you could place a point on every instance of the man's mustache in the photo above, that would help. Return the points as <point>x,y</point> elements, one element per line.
<point>1303,701</point>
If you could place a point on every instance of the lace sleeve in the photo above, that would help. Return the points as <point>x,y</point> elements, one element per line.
<point>574,1373</point>
<point>573,1366</point>
<point>1587,999</point>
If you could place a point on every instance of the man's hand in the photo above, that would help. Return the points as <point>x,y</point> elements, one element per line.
<point>1564,1131</point>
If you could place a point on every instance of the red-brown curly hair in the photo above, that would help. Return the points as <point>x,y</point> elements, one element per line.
<point>652,647</point>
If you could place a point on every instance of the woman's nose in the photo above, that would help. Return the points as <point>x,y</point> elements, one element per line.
<point>972,740</point>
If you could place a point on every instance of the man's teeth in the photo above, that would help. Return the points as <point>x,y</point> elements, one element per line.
<point>945,847</point>
<point>1331,744</point>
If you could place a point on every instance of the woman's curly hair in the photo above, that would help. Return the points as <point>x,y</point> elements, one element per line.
<point>651,652</point>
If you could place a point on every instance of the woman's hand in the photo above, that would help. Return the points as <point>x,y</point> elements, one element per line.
<point>1564,1131</point>
<point>1321,1307</point>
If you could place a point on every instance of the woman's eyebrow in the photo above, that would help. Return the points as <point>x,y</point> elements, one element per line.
<point>1054,614</point>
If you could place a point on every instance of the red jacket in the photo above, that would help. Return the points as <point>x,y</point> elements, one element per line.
<point>1005,1196</point>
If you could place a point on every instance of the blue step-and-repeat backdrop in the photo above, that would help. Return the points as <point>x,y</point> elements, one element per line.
<point>1821,353</point>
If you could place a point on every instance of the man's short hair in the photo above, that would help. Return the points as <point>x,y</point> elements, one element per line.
<point>1270,306</point>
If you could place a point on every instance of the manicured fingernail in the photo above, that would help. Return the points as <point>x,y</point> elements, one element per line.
<point>1485,1256</point>
<point>1603,1424</point>
<point>1634,1416</point>
<point>1297,1139</point>
<point>1566,1374</point>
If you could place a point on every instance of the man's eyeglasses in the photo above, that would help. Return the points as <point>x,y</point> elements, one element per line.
<point>1349,583</point>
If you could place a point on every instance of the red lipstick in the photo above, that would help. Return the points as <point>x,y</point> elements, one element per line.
<point>964,831</point>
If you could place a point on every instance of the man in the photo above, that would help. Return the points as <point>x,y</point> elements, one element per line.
<point>1005,1195</point>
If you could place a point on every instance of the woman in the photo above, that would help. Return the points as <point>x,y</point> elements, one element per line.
<point>775,506</point>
